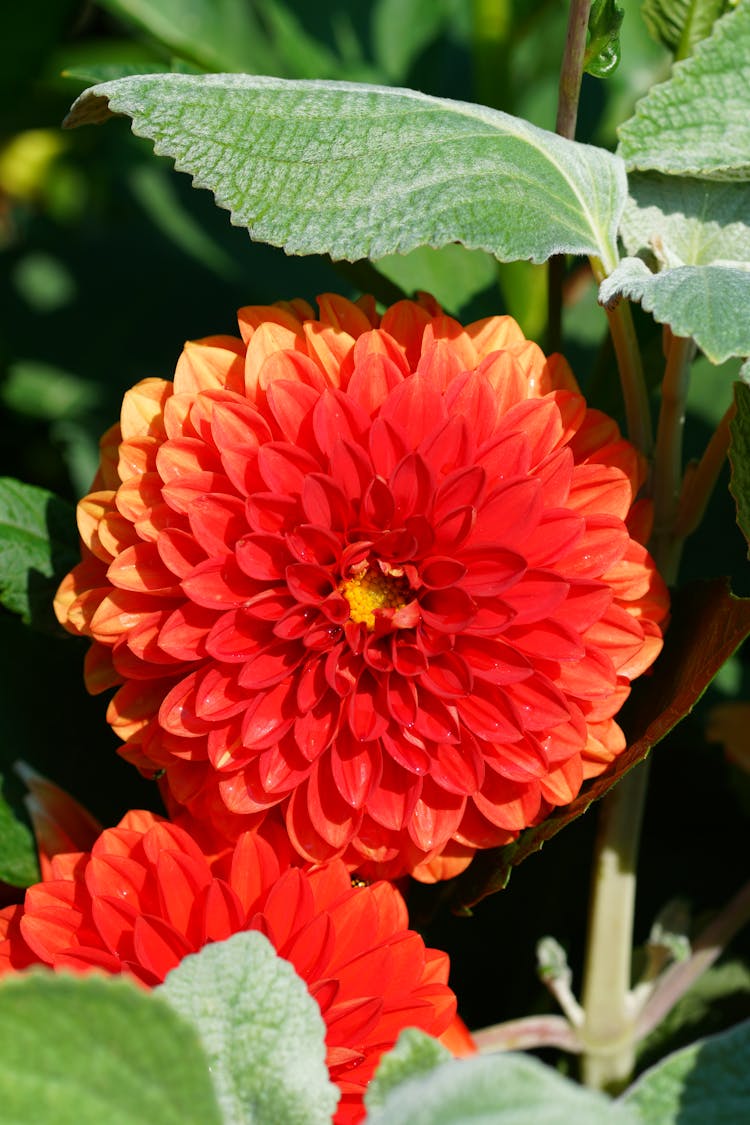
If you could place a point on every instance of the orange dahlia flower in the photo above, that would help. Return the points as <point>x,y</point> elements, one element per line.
<point>146,895</point>
<point>382,574</point>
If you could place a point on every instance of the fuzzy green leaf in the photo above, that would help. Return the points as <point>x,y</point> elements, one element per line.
<point>686,222</point>
<point>414,1053</point>
<point>698,122</point>
<point>510,1089</point>
<point>86,1050</point>
<point>261,1030</point>
<point>38,544</point>
<point>680,24</point>
<point>708,1081</point>
<point>359,171</point>
<point>708,303</point>
<point>739,458</point>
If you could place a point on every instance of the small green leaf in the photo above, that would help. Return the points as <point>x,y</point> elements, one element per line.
<point>505,1089</point>
<point>680,24</point>
<point>698,122</point>
<point>18,862</point>
<point>360,171</point>
<point>414,1053</point>
<point>685,221</point>
<point>38,545</point>
<point>87,1050</point>
<point>708,303</point>
<point>401,29</point>
<point>602,55</point>
<point>708,1081</point>
<point>261,1030</point>
<point>739,458</point>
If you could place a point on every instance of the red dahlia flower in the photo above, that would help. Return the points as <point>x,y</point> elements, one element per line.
<point>147,895</point>
<point>381,573</point>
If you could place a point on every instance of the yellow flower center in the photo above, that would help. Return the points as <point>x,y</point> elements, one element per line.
<point>373,590</point>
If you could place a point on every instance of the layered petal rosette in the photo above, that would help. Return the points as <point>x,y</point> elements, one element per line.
<point>381,574</point>
<point>147,895</point>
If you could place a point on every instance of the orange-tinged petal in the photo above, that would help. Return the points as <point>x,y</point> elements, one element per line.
<point>213,362</point>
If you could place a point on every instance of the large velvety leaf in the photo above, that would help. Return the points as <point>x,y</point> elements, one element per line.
<point>18,862</point>
<point>708,1081</point>
<point>680,24</point>
<point>709,303</point>
<point>698,122</point>
<point>708,623</point>
<point>505,1089</point>
<point>88,1050</point>
<point>261,1030</point>
<point>38,545</point>
<point>361,171</point>
<point>739,458</point>
<point>686,222</point>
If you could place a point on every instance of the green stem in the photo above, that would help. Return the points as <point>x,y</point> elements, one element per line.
<point>666,546</point>
<point>701,481</point>
<point>632,378</point>
<point>569,92</point>
<point>608,1032</point>
<point>528,1034</point>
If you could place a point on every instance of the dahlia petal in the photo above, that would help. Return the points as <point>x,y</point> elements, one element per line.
<point>585,603</point>
<point>416,406</point>
<point>219,694</point>
<point>351,468</point>
<point>355,768</point>
<point>392,801</point>
<point>597,489</point>
<point>291,404</point>
<point>601,545</point>
<point>118,613</point>
<point>252,317</point>
<point>591,677</point>
<point>447,675</point>
<point>490,572</point>
<point>330,348</point>
<point>407,750</point>
<point>405,322</point>
<point>284,467</point>
<point>537,595</point>
<point>461,488</point>
<point>221,913</point>
<point>493,660</point>
<point>181,879</point>
<point>267,339</point>
<point>374,377</point>
<point>138,497</point>
<point>219,584</point>
<point>269,714</point>
<point>333,817</point>
<point>288,904</point>
<point>539,704</point>
<point>186,457</point>
<point>502,371</point>
<point>142,409</point>
<point>267,512</point>
<point>560,786</point>
<point>365,714</point>
<point>231,638</point>
<point>347,316</point>
<point>213,362</point>
<point>337,416</point>
<point>449,448</point>
<point>448,611</point>
<point>217,522</point>
<point>325,504</point>
<point>459,768</point>
<point>558,534</point>
<point>263,557</point>
<point>548,640</point>
<point>140,569</point>
<point>493,333</point>
<point>508,514</point>
<point>507,804</point>
<point>89,513</point>
<point>556,474</point>
<point>254,869</point>
<point>158,946</point>
<point>177,713</point>
<point>617,633</point>
<point>182,492</point>
<point>488,714</point>
<point>268,666</point>
<point>436,816</point>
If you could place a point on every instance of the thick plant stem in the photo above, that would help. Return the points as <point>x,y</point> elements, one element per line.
<point>569,91</point>
<point>632,379</point>
<point>608,1032</point>
<point>666,545</point>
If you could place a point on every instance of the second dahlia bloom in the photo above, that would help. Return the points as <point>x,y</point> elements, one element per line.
<point>383,575</point>
<point>146,896</point>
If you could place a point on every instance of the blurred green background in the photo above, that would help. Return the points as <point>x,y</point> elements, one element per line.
<point>109,260</point>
